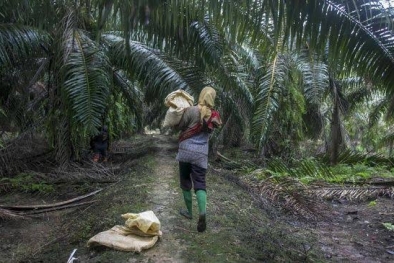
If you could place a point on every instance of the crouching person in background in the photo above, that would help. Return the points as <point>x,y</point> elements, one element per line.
<point>100,145</point>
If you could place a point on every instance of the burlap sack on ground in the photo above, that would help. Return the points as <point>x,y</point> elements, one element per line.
<point>145,223</point>
<point>177,101</point>
<point>141,231</point>
<point>117,240</point>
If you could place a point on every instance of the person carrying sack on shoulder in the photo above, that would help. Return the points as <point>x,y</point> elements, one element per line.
<point>196,124</point>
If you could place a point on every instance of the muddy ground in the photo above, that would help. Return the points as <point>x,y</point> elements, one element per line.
<point>241,227</point>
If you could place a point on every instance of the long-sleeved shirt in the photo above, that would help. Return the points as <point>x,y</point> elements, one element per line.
<point>193,150</point>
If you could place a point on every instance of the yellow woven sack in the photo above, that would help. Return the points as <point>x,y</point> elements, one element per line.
<point>177,101</point>
<point>119,239</point>
<point>146,222</point>
<point>141,231</point>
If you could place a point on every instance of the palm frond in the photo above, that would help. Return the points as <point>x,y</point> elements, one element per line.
<point>359,39</point>
<point>242,20</point>
<point>285,192</point>
<point>291,195</point>
<point>209,42</point>
<point>18,42</point>
<point>388,139</point>
<point>377,112</point>
<point>87,81</point>
<point>315,77</point>
<point>352,193</point>
<point>6,214</point>
<point>223,63</point>
<point>352,157</point>
<point>358,96</point>
<point>232,164</point>
<point>147,66</point>
<point>367,23</point>
<point>191,74</point>
<point>356,91</point>
<point>307,168</point>
<point>132,93</point>
<point>236,119</point>
<point>267,100</point>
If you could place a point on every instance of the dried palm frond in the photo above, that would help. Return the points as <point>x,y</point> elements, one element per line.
<point>25,151</point>
<point>74,172</point>
<point>7,214</point>
<point>290,194</point>
<point>234,165</point>
<point>284,191</point>
<point>228,163</point>
<point>352,193</point>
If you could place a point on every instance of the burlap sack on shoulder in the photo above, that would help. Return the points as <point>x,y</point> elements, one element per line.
<point>177,101</point>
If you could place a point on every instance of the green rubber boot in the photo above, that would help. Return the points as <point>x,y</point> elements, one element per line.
<point>187,197</point>
<point>202,209</point>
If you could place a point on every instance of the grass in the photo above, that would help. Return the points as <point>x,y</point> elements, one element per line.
<point>26,182</point>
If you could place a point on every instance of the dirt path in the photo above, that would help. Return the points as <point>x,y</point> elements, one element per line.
<point>163,198</point>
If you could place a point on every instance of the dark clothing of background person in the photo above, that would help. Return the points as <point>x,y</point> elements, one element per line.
<point>100,144</point>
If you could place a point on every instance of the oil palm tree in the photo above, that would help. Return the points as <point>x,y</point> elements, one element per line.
<point>165,45</point>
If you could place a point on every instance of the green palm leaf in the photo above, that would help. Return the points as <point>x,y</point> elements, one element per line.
<point>86,81</point>
<point>377,111</point>
<point>267,100</point>
<point>209,42</point>
<point>132,94</point>
<point>314,78</point>
<point>18,42</point>
<point>147,66</point>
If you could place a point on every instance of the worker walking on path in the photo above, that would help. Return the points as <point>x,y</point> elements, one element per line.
<point>196,124</point>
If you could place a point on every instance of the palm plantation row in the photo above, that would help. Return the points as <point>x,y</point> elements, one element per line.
<point>286,72</point>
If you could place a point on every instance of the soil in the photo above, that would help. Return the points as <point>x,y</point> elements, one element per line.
<point>241,227</point>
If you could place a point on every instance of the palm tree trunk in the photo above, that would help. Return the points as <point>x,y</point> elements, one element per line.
<point>336,135</point>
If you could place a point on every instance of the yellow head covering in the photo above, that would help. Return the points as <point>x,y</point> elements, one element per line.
<point>206,101</point>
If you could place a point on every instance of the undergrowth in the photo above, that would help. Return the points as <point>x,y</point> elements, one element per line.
<point>239,226</point>
<point>27,183</point>
<point>311,170</point>
<point>297,185</point>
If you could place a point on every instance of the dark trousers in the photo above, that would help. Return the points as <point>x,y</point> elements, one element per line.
<point>192,176</point>
<point>101,148</point>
